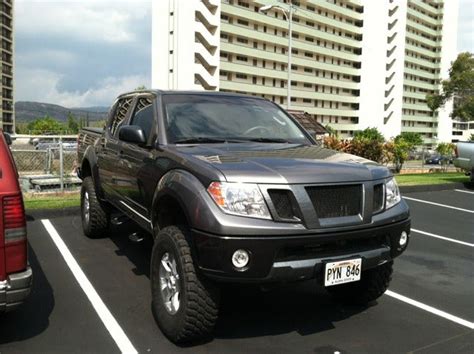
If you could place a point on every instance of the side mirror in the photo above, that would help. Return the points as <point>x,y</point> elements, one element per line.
<point>132,134</point>
<point>8,138</point>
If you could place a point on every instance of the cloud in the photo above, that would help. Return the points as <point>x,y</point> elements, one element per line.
<point>92,21</point>
<point>104,93</point>
<point>81,53</point>
<point>466,26</point>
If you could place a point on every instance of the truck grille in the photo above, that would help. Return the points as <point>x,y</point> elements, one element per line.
<point>336,201</point>
<point>284,203</point>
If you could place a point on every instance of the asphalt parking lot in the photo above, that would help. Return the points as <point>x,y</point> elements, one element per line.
<point>429,308</point>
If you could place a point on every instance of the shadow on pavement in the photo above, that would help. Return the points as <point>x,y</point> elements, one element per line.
<point>304,308</point>
<point>32,317</point>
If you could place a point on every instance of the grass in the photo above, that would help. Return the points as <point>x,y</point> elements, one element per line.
<point>51,201</point>
<point>431,178</point>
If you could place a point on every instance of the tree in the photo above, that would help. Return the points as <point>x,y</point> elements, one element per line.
<point>72,124</point>
<point>332,132</point>
<point>401,149</point>
<point>140,88</point>
<point>371,134</point>
<point>459,86</point>
<point>446,150</point>
<point>471,138</point>
<point>43,125</point>
<point>413,139</point>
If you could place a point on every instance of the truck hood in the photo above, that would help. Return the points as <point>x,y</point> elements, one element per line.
<point>284,163</point>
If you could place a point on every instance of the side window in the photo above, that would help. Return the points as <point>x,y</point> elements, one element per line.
<point>143,115</point>
<point>120,114</point>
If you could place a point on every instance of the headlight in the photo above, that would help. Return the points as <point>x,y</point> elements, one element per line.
<point>239,199</point>
<point>392,193</point>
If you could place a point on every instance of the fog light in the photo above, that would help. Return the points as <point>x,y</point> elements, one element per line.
<point>240,259</point>
<point>403,239</point>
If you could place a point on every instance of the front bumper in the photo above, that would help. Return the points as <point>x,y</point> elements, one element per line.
<point>15,290</point>
<point>291,258</point>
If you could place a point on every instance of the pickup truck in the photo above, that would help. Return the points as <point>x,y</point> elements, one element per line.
<point>15,273</point>
<point>465,157</point>
<point>234,190</point>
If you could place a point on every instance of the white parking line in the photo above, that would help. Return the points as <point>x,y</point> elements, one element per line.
<point>431,309</point>
<point>106,317</point>
<point>441,205</point>
<point>443,238</point>
<point>463,191</point>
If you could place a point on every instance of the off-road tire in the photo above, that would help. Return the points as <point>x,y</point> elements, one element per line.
<point>99,218</point>
<point>373,284</point>
<point>199,298</point>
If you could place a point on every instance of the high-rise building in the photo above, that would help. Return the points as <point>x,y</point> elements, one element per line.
<point>7,115</point>
<point>355,63</point>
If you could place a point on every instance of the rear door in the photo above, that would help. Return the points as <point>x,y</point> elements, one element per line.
<point>109,154</point>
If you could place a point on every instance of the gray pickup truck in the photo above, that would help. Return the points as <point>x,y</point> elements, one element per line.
<point>465,157</point>
<point>233,189</point>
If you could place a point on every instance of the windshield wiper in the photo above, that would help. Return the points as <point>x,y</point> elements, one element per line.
<point>268,140</point>
<point>198,140</point>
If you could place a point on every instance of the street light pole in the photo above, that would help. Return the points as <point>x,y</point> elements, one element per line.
<point>290,44</point>
<point>288,13</point>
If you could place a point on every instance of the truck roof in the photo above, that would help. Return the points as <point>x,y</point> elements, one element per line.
<point>188,92</point>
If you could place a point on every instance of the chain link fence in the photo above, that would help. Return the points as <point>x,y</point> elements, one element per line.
<point>46,163</point>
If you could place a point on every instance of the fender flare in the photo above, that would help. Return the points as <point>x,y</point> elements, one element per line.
<point>90,157</point>
<point>183,187</point>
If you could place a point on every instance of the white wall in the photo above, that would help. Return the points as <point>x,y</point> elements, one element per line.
<point>373,86</point>
<point>449,54</point>
<point>173,43</point>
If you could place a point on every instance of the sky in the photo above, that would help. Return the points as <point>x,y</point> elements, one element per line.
<point>85,53</point>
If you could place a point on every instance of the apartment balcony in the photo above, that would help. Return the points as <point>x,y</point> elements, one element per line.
<point>422,130</point>
<point>253,16</point>
<point>419,38</point>
<point>299,45</point>
<point>418,95</point>
<point>429,20</point>
<point>283,59</point>
<point>422,62</point>
<point>419,118</point>
<point>417,107</point>
<point>426,7</point>
<point>420,84</point>
<point>422,73</point>
<point>282,75</point>
<point>421,28</point>
<point>420,50</point>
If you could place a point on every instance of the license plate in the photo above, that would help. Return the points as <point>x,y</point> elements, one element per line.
<point>343,272</point>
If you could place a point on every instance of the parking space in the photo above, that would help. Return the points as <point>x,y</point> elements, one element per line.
<point>296,318</point>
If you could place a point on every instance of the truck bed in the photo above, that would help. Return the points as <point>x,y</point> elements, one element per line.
<point>87,136</point>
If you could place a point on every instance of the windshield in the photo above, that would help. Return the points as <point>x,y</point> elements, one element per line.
<point>217,119</point>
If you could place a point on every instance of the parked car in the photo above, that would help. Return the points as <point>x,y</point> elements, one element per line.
<point>233,189</point>
<point>465,157</point>
<point>438,160</point>
<point>15,273</point>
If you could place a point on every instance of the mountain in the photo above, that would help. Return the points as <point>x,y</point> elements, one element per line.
<point>28,111</point>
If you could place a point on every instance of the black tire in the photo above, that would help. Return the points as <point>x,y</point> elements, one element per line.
<point>97,224</point>
<point>472,176</point>
<point>373,284</point>
<point>198,309</point>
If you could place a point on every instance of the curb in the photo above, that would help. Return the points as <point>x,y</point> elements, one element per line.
<point>436,187</point>
<point>38,214</point>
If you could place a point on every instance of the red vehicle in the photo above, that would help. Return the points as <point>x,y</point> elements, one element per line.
<point>15,273</point>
